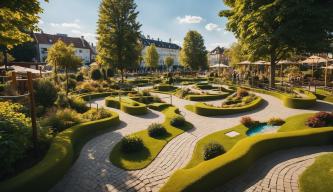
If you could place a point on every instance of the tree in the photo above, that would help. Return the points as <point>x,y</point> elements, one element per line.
<point>118,35</point>
<point>63,56</point>
<point>236,54</point>
<point>194,53</point>
<point>169,61</point>
<point>9,58</point>
<point>272,29</point>
<point>151,57</point>
<point>17,20</point>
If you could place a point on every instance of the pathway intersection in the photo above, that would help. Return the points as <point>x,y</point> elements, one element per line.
<point>93,171</point>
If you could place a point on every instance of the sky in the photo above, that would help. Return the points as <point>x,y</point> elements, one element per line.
<point>163,19</point>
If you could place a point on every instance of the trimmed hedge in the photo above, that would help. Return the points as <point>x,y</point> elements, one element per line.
<point>211,174</point>
<point>165,88</point>
<point>324,95</point>
<point>127,105</point>
<point>206,97</point>
<point>288,101</point>
<point>87,96</point>
<point>206,110</point>
<point>63,151</point>
<point>159,106</point>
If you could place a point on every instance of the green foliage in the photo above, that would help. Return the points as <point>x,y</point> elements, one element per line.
<point>45,92</point>
<point>78,104</point>
<point>61,119</point>
<point>275,121</point>
<point>80,77</point>
<point>131,144</point>
<point>194,54</point>
<point>248,122</point>
<point>151,57</point>
<point>118,39</point>
<point>212,150</point>
<point>62,100</point>
<point>156,130</point>
<point>169,61</point>
<point>236,54</point>
<point>94,114</point>
<point>96,74</point>
<point>15,136</point>
<point>178,121</point>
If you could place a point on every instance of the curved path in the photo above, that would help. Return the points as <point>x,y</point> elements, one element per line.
<point>93,172</point>
<point>278,171</point>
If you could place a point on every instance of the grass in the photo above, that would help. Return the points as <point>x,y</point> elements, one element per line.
<point>153,146</point>
<point>318,177</point>
<point>324,95</point>
<point>218,137</point>
<point>296,123</point>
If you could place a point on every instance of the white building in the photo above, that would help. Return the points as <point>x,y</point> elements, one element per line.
<point>217,56</point>
<point>82,47</point>
<point>164,50</point>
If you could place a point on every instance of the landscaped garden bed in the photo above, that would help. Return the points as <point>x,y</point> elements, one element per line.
<point>187,93</point>
<point>324,95</point>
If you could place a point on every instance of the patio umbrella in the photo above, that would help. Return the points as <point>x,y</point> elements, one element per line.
<point>281,63</point>
<point>245,63</point>
<point>328,67</point>
<point>314,60</point>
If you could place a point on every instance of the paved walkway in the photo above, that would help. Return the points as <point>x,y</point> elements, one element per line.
<point>278,171</point>
<point>93,172</point>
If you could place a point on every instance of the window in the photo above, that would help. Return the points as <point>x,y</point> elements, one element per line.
<point>44,50</point>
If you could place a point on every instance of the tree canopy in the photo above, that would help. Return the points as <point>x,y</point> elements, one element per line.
<point>118,34</point>
<point>151,57</point>
<point>169,61</point>
<point>271,29</point>
<point>236,54</point>
<point>194,54</point>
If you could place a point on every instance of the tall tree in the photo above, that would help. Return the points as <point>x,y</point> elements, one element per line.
<point>236,54</point>
<point>194,53</point>
<point>151,57</point>
<point>273,28</point>
<point>118,34</point>
<point>17,20</point>
<point>169,61</point>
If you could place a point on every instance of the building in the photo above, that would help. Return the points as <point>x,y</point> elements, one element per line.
<point>217,56</point>
<point>164,50</point>
<point>82,48</point>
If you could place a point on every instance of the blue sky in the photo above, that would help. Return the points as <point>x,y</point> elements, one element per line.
<point>162,19</point>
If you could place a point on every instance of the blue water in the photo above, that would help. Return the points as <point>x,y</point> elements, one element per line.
<point>261,128</point>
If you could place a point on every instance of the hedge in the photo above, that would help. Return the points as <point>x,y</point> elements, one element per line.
<point>324,95</point>
<point>204,86</point>
<point>288,101</point>
<point>127,105</point>
<point>165,87</point>
<point>159,106</point>
<point>206,110</point>
<point>213,173</point>
<point>206,97</point>
<point>63,151</point>
<point>88,96</point>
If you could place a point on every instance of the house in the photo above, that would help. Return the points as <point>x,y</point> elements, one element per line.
<point>164,50</point>
<point>82,48</point>
<point>217,56</point>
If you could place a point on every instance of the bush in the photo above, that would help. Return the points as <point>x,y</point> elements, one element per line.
<point>131,144</point>
<point>96,74</point>
<point>242,93</point>
<point>94,114</point>
<point>178,121</point>
<point>248,122</point>
<point>79,77</point>
<point>320,119</point>
<point>156,130</point>
<point>61,120</point>
<point>110,72</point>
<point>212,150</point>
<point>45,92</point>
<point>71,84</point>
<point>275,121</point>
<point>62,101</point>
<point>78,104</point>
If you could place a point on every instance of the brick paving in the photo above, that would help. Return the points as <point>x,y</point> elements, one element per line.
<point>93,171</point>
<point>276,172</point>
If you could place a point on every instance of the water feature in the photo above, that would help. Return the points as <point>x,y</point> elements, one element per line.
<point>261,128</point>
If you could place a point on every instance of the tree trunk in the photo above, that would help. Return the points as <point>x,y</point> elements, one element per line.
<point>66,71</point>
<point>5,58</point>
<point>272,73</point>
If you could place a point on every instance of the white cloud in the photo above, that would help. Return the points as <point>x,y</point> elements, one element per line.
<point>66,25</point>
<point>91,37</point>
<point>213,27</point>
<point>212,46</point>
<point>189,19</point>
<point>40,22</point>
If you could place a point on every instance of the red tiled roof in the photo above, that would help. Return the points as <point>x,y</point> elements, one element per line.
<point>43,38</point>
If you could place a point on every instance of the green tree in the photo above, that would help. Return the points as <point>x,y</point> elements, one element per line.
<point>236,54</point>
<point>169,61</point>
<point>151,57</point>
<point>118,35</point>
<point>194,53</point>
<point>17,20</point>
<point>272,29</point>
<point>9,58</point>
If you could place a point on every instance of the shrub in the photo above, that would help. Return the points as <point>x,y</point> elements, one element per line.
<point>131,144</point>
<point>248,122</point>
<point>96,74</point>
<point>61,120</point>
<point>212,150</point>
<point>178,121</point>
<point>94,114</point>
<point>275,121</point>
<point>79,77</point>
<point>242,93</point>
<point>324,116</point>
<point>45,92</point>
<point>110,72</point>
<point>320,119</point>
<point>315,122</point>
<point>62,101</point>
<point>78,104</point>
<point>156,130</point>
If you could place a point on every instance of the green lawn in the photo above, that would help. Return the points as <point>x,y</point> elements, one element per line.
<point>318,177</point>
<point>153,146</point>
<point>218,137</point>
<point>324,95</point>
<point>295,123</point>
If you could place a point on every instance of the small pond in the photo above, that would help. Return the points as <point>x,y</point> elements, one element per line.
<point>261,128</point>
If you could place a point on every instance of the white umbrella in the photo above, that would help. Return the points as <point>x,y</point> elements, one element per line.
<point>245,63</point>
<point>314,60</point>
<point>328,67</point>
<point>261,63</point>
<point>219,66</point>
